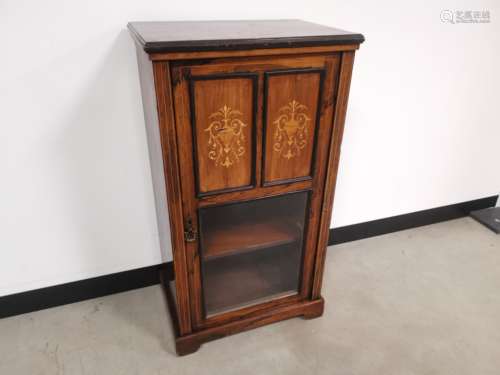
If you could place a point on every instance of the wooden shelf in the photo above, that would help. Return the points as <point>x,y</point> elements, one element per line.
<point>252,278</point>
<point>237,238</point>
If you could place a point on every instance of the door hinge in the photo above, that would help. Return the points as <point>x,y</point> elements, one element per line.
<point>189,232</point>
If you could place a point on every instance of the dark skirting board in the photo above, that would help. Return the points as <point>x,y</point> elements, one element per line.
<point>412,220</point>
<point>76,291</point>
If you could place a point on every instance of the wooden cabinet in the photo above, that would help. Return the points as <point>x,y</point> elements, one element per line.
<point>244,122</point>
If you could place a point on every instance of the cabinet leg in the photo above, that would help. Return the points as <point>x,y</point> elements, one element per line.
<point>315,311</point>
<point>186,347</point>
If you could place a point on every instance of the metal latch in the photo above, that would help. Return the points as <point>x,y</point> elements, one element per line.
<point>189,231</point>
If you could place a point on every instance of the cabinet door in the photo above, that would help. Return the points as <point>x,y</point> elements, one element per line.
<point>253,138</point>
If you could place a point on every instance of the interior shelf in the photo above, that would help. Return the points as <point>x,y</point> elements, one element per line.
<point>241,237</point>
<point>235,282</point>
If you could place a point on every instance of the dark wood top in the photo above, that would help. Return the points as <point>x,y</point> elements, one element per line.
<point>179,36</point>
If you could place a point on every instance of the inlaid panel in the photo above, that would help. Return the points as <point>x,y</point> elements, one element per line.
<point>223,116</point>
<point>291,104</point>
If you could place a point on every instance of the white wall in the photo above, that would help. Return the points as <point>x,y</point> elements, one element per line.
<point>76,198</point>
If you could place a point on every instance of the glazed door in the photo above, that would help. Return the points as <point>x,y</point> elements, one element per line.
<point>253,138</point>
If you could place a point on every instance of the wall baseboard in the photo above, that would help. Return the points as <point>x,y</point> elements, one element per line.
<point>63,294</point>
<point>407,221</point>
<point>81,290</point>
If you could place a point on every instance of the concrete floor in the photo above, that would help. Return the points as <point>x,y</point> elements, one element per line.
<point>422,301</point>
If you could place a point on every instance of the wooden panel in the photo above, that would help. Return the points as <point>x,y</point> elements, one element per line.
<point>333,164</point>
<point>324,132</point>
<point>258,192</point>
<point>292,99</point>
<point>255,52</point>
<point>158,75</point>
<point>256,64</point>
<point>223,119</point>
<point>180,88</point>
<point>308,309</point>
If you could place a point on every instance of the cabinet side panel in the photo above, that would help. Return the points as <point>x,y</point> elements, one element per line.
<point>162,142</point>
<point>333,163</point>
<point>154,149</point>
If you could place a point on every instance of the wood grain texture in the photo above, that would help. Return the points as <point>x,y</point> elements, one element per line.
<point>183,123</point>
<point>258,192</point>
<point>325,115</point>
<point>233,35</point>
<point>291,112</point>
<point>223,120</point>
<point>171,171</point>
<point>333,162</point>
<point>254,64</point>
<point>267,313</point>
<point>184,114</point>
<point>258,52</point>
<point>234,275</point>
<point>308,309</point>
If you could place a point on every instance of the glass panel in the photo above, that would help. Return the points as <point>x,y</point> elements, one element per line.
<point>251,252</point>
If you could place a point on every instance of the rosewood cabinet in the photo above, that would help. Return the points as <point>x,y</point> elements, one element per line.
<point>244,122</point>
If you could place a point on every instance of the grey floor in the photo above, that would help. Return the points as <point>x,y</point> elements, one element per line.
<point>422,301</point>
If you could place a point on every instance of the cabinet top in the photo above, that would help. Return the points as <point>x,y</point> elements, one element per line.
<point>156,37</point>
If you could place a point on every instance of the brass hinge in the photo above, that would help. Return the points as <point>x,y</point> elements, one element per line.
<point>189,232</point>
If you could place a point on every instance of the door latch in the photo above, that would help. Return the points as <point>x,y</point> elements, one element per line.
<point>189,232</point>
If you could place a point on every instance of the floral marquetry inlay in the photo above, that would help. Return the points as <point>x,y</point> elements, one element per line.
<point>290,135</point>
<point>225,142</point>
